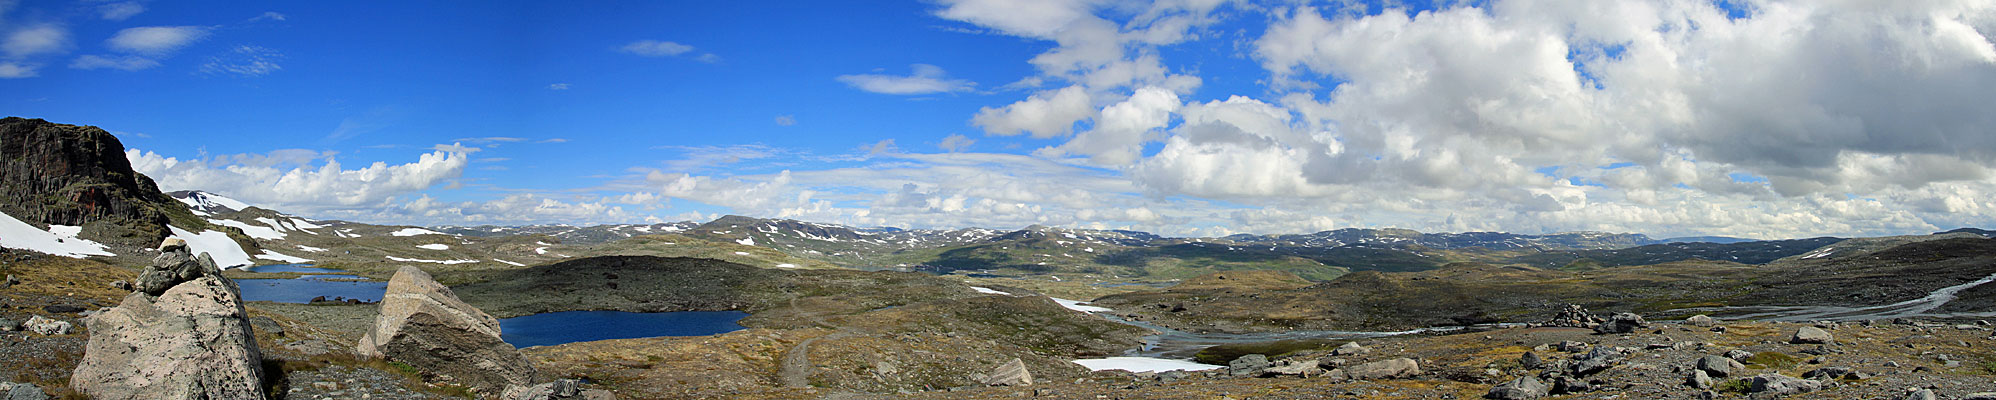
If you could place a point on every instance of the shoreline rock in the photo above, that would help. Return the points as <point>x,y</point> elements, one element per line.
<point>423,324</point>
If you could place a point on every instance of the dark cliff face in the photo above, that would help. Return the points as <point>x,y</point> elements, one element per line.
<point>77,175</point>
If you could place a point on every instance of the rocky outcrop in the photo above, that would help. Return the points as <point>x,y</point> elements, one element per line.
<point>1701,320</point>
<point>1720,367</point>
<point>21,391</point>
<point>560,389</point>
<point>1778,384</point>
<point>1247,365</point>
<point>78,175</point>
<point>193,341</point>
<point>424,325</point>
<point>1011,374</point>
<point>1388,369</point>
<point>1573,316</point>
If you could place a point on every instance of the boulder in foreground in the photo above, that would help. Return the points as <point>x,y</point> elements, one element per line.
<point>424,325</point>
<point>193,341</point>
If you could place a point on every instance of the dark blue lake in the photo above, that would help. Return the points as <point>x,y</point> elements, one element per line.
<point>584,326</point>
<point>304,288</point>
<point>298,268</point>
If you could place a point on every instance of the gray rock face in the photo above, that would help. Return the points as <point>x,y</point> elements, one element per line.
<point>1738,354</point>
<point>8,325</point>
<point>1012,373</point>
<point>1701,320</point>
<point>1525,388</point>
<point>1620,323</point>
<point>1388,369</point>
<point>1922,394</point>
<point>1531,360</point>
<point>172,266</point>
<point>1810,335</point>
<point>85,179</point>
<point>192,342</point>
<point>1779,384</point>
<point>46,326</point>
<point>1248,365</point>
<point>424,325</point>
<point>21,391</point>
<point>1720,366</point>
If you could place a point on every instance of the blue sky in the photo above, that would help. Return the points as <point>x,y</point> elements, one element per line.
<point>1195,117</point>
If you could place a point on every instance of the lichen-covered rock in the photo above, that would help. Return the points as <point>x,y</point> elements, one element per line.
<point>1778,384</point>
<point>47,326</point>
<point>1620,323</point>
<point>1388,369</point>
<point>192,342</point>
<point>1719,366</point>
<point>424,325</point>
<point>1525,388</point>
<point>1701,320</point>
<point>21,391</point>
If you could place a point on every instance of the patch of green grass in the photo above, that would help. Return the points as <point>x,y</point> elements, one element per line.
<point>1772,360</point>
<point>1732,386</point>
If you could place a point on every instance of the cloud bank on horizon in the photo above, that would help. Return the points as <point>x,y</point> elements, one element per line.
<point>1757,119</point>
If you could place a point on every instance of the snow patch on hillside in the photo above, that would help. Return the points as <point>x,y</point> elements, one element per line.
<point>254,231</point>
<point>444,262</point>
<point>281,257</point>
<point>433,246</point>
<point>1143,364</point>
<point>58,240</point>
<point>218,245</point>
<point>414,232</point>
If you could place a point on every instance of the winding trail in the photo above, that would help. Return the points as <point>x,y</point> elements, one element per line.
<point>795,371</point>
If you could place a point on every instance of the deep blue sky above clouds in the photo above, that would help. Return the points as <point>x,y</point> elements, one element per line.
<point>1185,117</point>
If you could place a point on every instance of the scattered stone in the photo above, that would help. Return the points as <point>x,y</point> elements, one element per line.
<point>191,342</point>
<point>557,390</point>
<point>1826,373</point>
<point>1570,385</point>
<point>1810,335</point>
<point>1531,360</point>
<point>1571,346</point>
<point>1699,379</point>
<point>266,325</point>
<point>1701,320</point>
<point>121,285</point>
<point>1920,394</point>
<point>1738,355</point>
<point>1012,373</point>
<point>1044,392</point>
<point>11,281</point>
<point>8,325</point>
<point>1620,323</point>
<point>1597,360</point>
<point>1350,349</point>
<point>1779,384</point>
<point>1720,366</point>
<point>174,265</point>
<point>47,326</point>
<point>1980,396</point>
<point>1292,367</point>
<point>424,325</point>
<point>1525,388</point>
<point>21,391</point>
<point>1388,369</point>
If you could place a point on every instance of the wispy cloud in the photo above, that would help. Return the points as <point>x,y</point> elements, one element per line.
<point>15,70</point>
<point>121,10</point>
<point>661,48</point>
<point>126,63</point>
<point>156,40</point>
<point>245,61</point>
<point>268,16</point>
<point>786,120</point>
<point>558,86</point>
<point>41,39</point>
<point>926,79</point>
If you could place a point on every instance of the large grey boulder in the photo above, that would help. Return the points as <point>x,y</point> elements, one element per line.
<point>1012,373</point>
<point>193,341</point>
<point>424,325</point>
<point>1810,335</point>
<point>558,390</point>
<point>1701,320</point>
<point>1350,349</point>
<point>1247,365</point>
<point>1526,388</point>
<point>1292,367</point>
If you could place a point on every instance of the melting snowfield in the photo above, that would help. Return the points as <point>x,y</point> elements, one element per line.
<point>1143,364</point>
<point>58,240</point>
<point>218,245</point>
